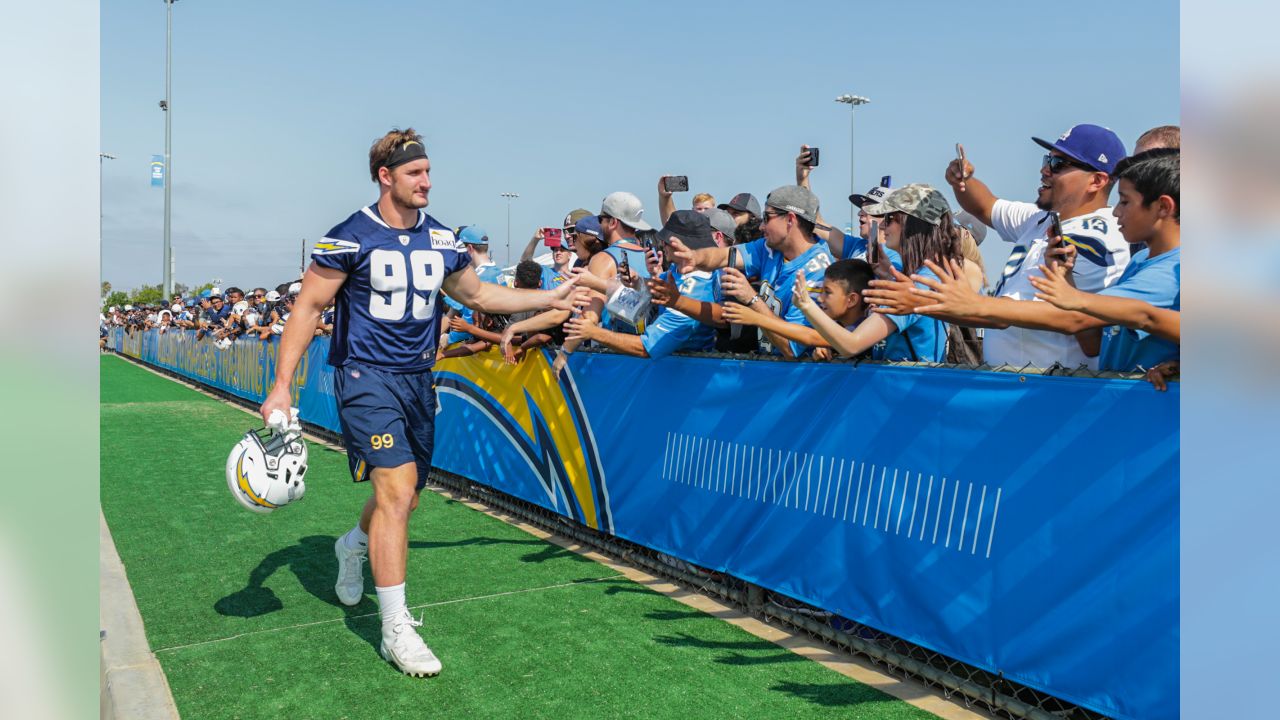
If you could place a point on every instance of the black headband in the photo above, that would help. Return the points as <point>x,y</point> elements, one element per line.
<point>408,151</point>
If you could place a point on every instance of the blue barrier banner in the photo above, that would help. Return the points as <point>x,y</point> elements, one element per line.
<point>1026,525</point>
<point>246,369</point>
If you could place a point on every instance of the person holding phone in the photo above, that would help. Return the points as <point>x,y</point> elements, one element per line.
<point>1133,322</point>
<point>672,330</point>
<point>788,247</point>
<point>1075,176</point>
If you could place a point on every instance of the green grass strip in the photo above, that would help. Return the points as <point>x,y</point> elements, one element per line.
<point>241,612</point>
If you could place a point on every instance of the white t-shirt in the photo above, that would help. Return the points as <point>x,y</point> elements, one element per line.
<point>1101,256</point>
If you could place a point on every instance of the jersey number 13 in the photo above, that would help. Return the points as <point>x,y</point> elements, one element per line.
<point>389,274</point>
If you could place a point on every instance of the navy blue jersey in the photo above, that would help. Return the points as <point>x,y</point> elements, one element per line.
<point>387,313</point>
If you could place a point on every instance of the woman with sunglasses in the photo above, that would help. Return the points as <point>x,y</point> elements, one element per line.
<point>916,223</point>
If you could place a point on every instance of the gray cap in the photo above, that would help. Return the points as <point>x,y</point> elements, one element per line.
<point>743,202</point>
<point>722,222</point>
<point>917,200</point>
<point>627,208</point>
<point>794,199</point>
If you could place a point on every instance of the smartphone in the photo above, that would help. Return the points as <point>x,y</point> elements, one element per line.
<point>960,159</point>
<point>1055,228</point>
<point>553,236</point>
<point>813,157</point>
<point>676,183</point>
<point>624,265</point>
<point>733,257</point>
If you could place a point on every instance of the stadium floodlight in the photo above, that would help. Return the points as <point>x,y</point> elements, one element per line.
<point>509,196</point>
<point>853,101</point>
<point>166,106</point>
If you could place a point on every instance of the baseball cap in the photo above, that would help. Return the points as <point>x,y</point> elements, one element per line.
<point>722,222</point>
<point>215,291</point>
<point>215,295</point>
<point>571,220</point>
<point>1093,145</point>
<point>295,288</point>
<point>240,307</point>
<point>875,194</point>
<point>589,225</point>
<point>626,208</point>
<point>743,202</point>
<point>128,307</point>
<point>474,235</point>
<point>917,200</point>
<point>972,224</point>
<point>692,227</point>
<point>794,199</point>
<point>273,296</point>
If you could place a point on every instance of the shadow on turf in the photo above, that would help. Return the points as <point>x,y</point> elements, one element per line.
<point>311,560</point>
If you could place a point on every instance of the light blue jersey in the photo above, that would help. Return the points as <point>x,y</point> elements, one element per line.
<point>488,272</point>
<point>919,338</point>
<point>777,277</point>
<point>552,279</point>
<point>673,330</point>
<point>637,261</point>
<point>1156,280</point>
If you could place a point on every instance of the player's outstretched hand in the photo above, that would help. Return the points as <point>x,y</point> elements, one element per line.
<point>565,294</point>
<point>663,291</point>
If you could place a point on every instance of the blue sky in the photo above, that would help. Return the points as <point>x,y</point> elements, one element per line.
<point>275,105</point>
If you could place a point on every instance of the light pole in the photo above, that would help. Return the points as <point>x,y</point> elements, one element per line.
<point>101,156</point>
<point>167,107</point>
<point>509,196</point>
<point>852,101</point>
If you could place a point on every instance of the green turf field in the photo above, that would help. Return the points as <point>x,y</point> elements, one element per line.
<point>239,608</point>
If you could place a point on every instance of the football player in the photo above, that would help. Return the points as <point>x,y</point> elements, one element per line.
<point>386,265</point>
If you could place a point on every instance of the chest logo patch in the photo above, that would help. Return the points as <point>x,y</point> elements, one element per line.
<point>404,239</point>
<point>443,240</point>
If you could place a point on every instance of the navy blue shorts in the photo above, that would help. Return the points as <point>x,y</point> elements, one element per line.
<point>388,419</point>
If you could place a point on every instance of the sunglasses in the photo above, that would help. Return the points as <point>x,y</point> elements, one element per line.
<point>768,215</point>
<point>1058,163</point>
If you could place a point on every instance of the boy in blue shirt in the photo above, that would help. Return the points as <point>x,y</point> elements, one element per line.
<point>1143,306</point>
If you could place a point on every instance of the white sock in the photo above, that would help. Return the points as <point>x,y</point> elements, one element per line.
<point>356,539</point>
<point>390,604</point>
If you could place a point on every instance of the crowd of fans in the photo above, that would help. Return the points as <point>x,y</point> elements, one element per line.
<point>1087,284</point>
<point>218,317</point>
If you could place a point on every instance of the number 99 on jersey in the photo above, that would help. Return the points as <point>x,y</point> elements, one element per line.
<point>385,440</point>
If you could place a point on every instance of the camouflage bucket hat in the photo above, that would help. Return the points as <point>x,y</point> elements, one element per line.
<point>917,200</point>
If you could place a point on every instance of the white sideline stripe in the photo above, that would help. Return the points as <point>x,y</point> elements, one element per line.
<point>370,615</point>
<point>978,525</point>
<point>994,512</point>
<point>942,493</point>
<point>867,505</point>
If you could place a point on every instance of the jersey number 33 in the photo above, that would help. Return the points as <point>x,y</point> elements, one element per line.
<point>391,275</point>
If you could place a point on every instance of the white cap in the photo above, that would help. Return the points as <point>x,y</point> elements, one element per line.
<point>215,291</point>
<point>240,307</point>
<point>295,288</point>
<point>272,296</point>
<point>113,308</point>
<point>176,307</point>
<point>128,307</point>
<point>972,224</point>
<point>627,208</point>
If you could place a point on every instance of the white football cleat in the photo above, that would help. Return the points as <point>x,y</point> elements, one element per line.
<point>350,586</point>
<point>404,648</point>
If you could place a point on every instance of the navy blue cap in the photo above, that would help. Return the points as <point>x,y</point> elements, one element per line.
<point>1093,145</point>
<point>589,225</point>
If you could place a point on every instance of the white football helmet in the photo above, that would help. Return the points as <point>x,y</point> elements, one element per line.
<point>265,470</point>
